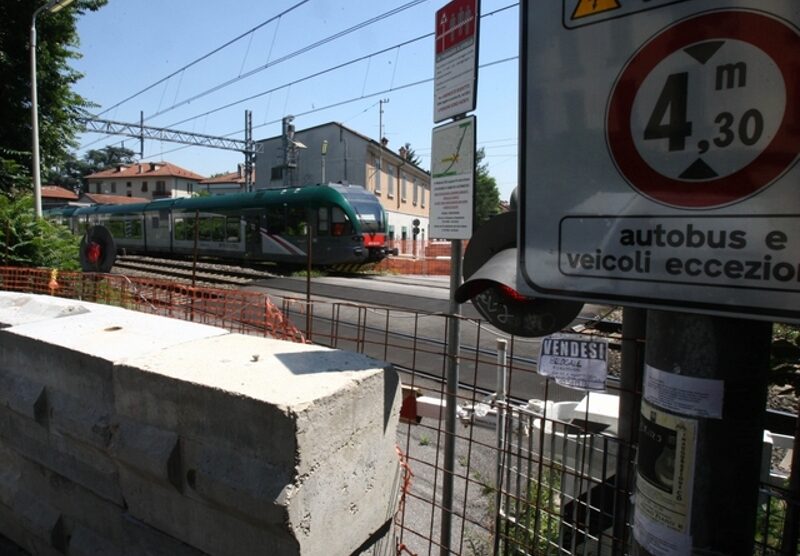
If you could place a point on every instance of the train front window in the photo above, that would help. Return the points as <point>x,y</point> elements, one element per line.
<point>340,225</point>
<point>370,214</point>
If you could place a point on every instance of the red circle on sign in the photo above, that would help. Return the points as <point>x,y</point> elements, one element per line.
<point>779,41</point>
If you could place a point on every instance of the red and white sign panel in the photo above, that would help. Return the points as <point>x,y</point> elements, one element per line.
<point>456,66</point>
<point>660,155</point>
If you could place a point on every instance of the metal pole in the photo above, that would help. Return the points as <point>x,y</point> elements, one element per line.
<point>691,357</point>
<point>451,397</point>
<point>500,430</point>
<point>308,278</point>
<point>194,249</point>
<point>633,335</point>
<point>37,177</point>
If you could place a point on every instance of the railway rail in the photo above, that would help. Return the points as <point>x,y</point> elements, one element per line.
<point>203,272</point>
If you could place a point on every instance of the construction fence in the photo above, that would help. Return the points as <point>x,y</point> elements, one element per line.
<point>538,468</point>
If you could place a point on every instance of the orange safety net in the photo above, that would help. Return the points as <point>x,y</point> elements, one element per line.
<point>234,310</point>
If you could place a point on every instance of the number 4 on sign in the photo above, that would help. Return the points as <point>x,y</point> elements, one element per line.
<point>586,8</point>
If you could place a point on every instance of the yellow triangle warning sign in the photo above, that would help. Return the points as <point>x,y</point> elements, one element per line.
<point>586,8</point>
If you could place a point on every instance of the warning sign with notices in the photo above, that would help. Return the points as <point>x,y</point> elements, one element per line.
<point>665,474</point>
<point>660,151</point>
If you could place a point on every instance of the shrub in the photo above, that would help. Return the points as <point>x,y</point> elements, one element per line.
<point>28,241</point>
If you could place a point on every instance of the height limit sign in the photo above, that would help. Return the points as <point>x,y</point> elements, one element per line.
<point>664,172</point>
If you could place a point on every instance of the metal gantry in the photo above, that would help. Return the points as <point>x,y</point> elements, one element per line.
<point>140,131</point>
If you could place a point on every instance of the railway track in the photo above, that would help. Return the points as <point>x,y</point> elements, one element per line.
<point>204,273</point>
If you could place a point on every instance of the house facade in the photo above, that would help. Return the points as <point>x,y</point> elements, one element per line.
<point>149,180</point>
<point>225,184</point>
<point>55,196</point>
<point>332,152</point>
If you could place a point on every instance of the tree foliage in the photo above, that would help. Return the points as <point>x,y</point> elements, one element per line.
<point>487,196</point>
<point>71,173</point>
<point>410,155</point>
<point>34,242</point>
<point>59,105</point>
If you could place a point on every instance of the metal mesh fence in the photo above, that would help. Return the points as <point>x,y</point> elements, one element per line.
<point>534,473</point>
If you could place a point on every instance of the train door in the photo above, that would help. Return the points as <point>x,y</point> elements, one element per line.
<point>253,222</point>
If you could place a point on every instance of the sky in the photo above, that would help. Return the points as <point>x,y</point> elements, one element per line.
<point>318,60</point>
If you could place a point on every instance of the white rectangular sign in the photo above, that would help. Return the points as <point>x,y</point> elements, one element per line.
<point>453,180</point>
<point>660,152</point>
<point>456,68</point>
<point>574,361</point>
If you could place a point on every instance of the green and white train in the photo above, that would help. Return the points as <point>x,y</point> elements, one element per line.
<point>346,222</point>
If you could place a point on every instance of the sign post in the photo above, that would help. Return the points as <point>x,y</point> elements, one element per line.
<point>455,82</point>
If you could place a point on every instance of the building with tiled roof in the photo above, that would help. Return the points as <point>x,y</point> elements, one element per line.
<point>104,199</point>
<point>150,180</point>
<point>54,196</point>
<point>226,184</point>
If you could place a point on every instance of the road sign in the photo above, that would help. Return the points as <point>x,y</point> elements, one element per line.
<point>660,148</point>
<point>453,180</point>
<point>456,69</point>
<point>724,142</point>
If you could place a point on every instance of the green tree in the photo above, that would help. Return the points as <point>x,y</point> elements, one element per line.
<point>35,242</point>
<point>487,196</point>
<point>71,172</point>
<point>410,155</point>
<point>59,105</point>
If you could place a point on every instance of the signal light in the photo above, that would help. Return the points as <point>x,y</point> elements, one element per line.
<point>491,282</point>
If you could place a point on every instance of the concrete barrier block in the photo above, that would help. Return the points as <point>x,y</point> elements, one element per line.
<point>82,420</point>
<point>17,308</point>
<point>113,333</point>
<point>85,542</point>
<point>89,378</point>
<point>142,539</point>
<point>39,518</point>
<point>353,479</point>
<point>327,415</point>
<point>78,505</point>
<point>90,468</point>
<point>240,391</point>
<point>12,529</point>
<point>87,343</point>
<point>199,525</point>
<point>246,487</point>
<point>23,396</point>
<point>150,451</point>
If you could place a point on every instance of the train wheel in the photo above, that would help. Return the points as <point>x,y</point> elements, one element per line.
<point>98,251</point>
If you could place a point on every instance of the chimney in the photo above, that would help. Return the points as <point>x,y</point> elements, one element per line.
<point>153,166</point>
<point>121,167</point>
<point>140,168</point>
<point>384,141</point>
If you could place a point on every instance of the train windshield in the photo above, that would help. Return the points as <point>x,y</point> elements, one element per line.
<point>367,208</point>
<point>370,214</point>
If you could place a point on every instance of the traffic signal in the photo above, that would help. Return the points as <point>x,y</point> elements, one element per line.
<point>491,282</point>
<point>415,229</point>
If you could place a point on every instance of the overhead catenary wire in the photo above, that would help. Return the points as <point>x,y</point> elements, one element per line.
<point>205,56</point>
<point>348,101</point>
<point>298,52</point>
<point>326,71</point>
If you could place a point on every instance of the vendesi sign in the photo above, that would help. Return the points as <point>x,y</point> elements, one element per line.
<point>661,169</point>
<point>574,361</point>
